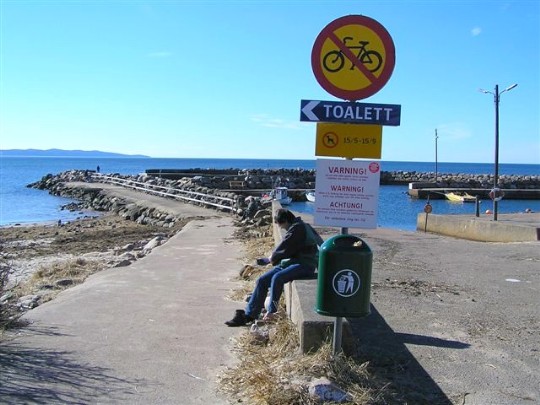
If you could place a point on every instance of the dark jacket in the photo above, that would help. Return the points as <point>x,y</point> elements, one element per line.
<point>299,245</point>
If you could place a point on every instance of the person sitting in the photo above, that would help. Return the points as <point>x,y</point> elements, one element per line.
<point>252,208</point>
<point>295,257</point>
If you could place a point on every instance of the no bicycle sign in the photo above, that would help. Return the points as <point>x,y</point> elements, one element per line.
<point>353,57</point>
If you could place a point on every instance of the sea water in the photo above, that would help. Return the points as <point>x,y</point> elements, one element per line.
<point>22,205</point>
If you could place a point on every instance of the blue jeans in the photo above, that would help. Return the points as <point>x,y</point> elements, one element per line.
<point>274,280</point>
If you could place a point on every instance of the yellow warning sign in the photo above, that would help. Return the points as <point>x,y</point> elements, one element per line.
<point>349,140</point>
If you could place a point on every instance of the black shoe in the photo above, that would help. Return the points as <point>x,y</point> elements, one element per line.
<point>240,319</point>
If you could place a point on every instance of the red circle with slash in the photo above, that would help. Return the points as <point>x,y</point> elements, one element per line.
<point>375,82</point>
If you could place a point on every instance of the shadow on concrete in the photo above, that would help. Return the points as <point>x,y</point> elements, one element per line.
<point>430,341</point>
<point>393,364</point>
<point>42,376</point>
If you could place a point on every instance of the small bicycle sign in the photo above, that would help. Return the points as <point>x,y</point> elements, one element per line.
<point>334,61</point>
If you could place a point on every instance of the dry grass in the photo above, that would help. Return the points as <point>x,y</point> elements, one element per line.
<point>49,277</point>
<point>254,248</point>
<point>276,372</point>
<point>47,281</point>
<point>5,269</point>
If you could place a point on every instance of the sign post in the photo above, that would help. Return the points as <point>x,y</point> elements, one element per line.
<point>352,58</point>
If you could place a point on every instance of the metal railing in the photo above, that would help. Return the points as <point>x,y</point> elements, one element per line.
<point>176,193</point>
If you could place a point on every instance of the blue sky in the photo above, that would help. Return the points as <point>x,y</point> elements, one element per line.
<point>225,78</point>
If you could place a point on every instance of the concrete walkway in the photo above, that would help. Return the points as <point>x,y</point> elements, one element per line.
<point>149,333</point>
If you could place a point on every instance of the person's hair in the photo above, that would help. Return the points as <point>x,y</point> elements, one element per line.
<point>283,215</point>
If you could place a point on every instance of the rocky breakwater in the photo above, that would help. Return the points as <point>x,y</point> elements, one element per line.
<point>197,190</point>
<point>95,198</point>
<point>252,179</point>
<point>302,179</point>
<point>461,180</point>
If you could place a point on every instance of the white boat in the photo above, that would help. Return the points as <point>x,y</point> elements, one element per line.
<point>281,195</point>
<point>310,195</point>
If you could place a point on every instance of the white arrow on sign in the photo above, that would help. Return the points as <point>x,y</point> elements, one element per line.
<point>308,110</point>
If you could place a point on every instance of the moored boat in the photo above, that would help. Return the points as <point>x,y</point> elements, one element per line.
<point>310,195</point>
<point>455,197</point>
<point>281,195</point>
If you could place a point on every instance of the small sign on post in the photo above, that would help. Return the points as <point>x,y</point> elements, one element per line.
<point>350,112</point>
<point>349,140</point>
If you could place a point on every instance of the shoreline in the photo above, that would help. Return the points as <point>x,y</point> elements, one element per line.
<point>51,222</point>
<point>63,209</point>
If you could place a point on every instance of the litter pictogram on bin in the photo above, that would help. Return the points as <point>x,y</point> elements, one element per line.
<point>346,283</point>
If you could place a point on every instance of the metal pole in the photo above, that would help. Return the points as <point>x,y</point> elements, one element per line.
<point>497,97</point>
<point>436,168</point>
<point>336,344</point>
<point>427,210</point>
<point>496,176</point>
<point>338,322</point>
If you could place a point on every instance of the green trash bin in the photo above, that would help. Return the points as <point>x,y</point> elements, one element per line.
<point>344,277</point>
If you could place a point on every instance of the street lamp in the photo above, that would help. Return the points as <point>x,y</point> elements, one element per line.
<point>496,98</point>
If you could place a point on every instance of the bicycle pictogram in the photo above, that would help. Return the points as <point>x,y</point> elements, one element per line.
<point>334,61</point>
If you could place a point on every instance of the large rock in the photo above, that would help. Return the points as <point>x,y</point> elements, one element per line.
<point>325,390</point>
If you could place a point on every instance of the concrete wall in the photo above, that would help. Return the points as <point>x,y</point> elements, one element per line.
<point>479,229</point>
